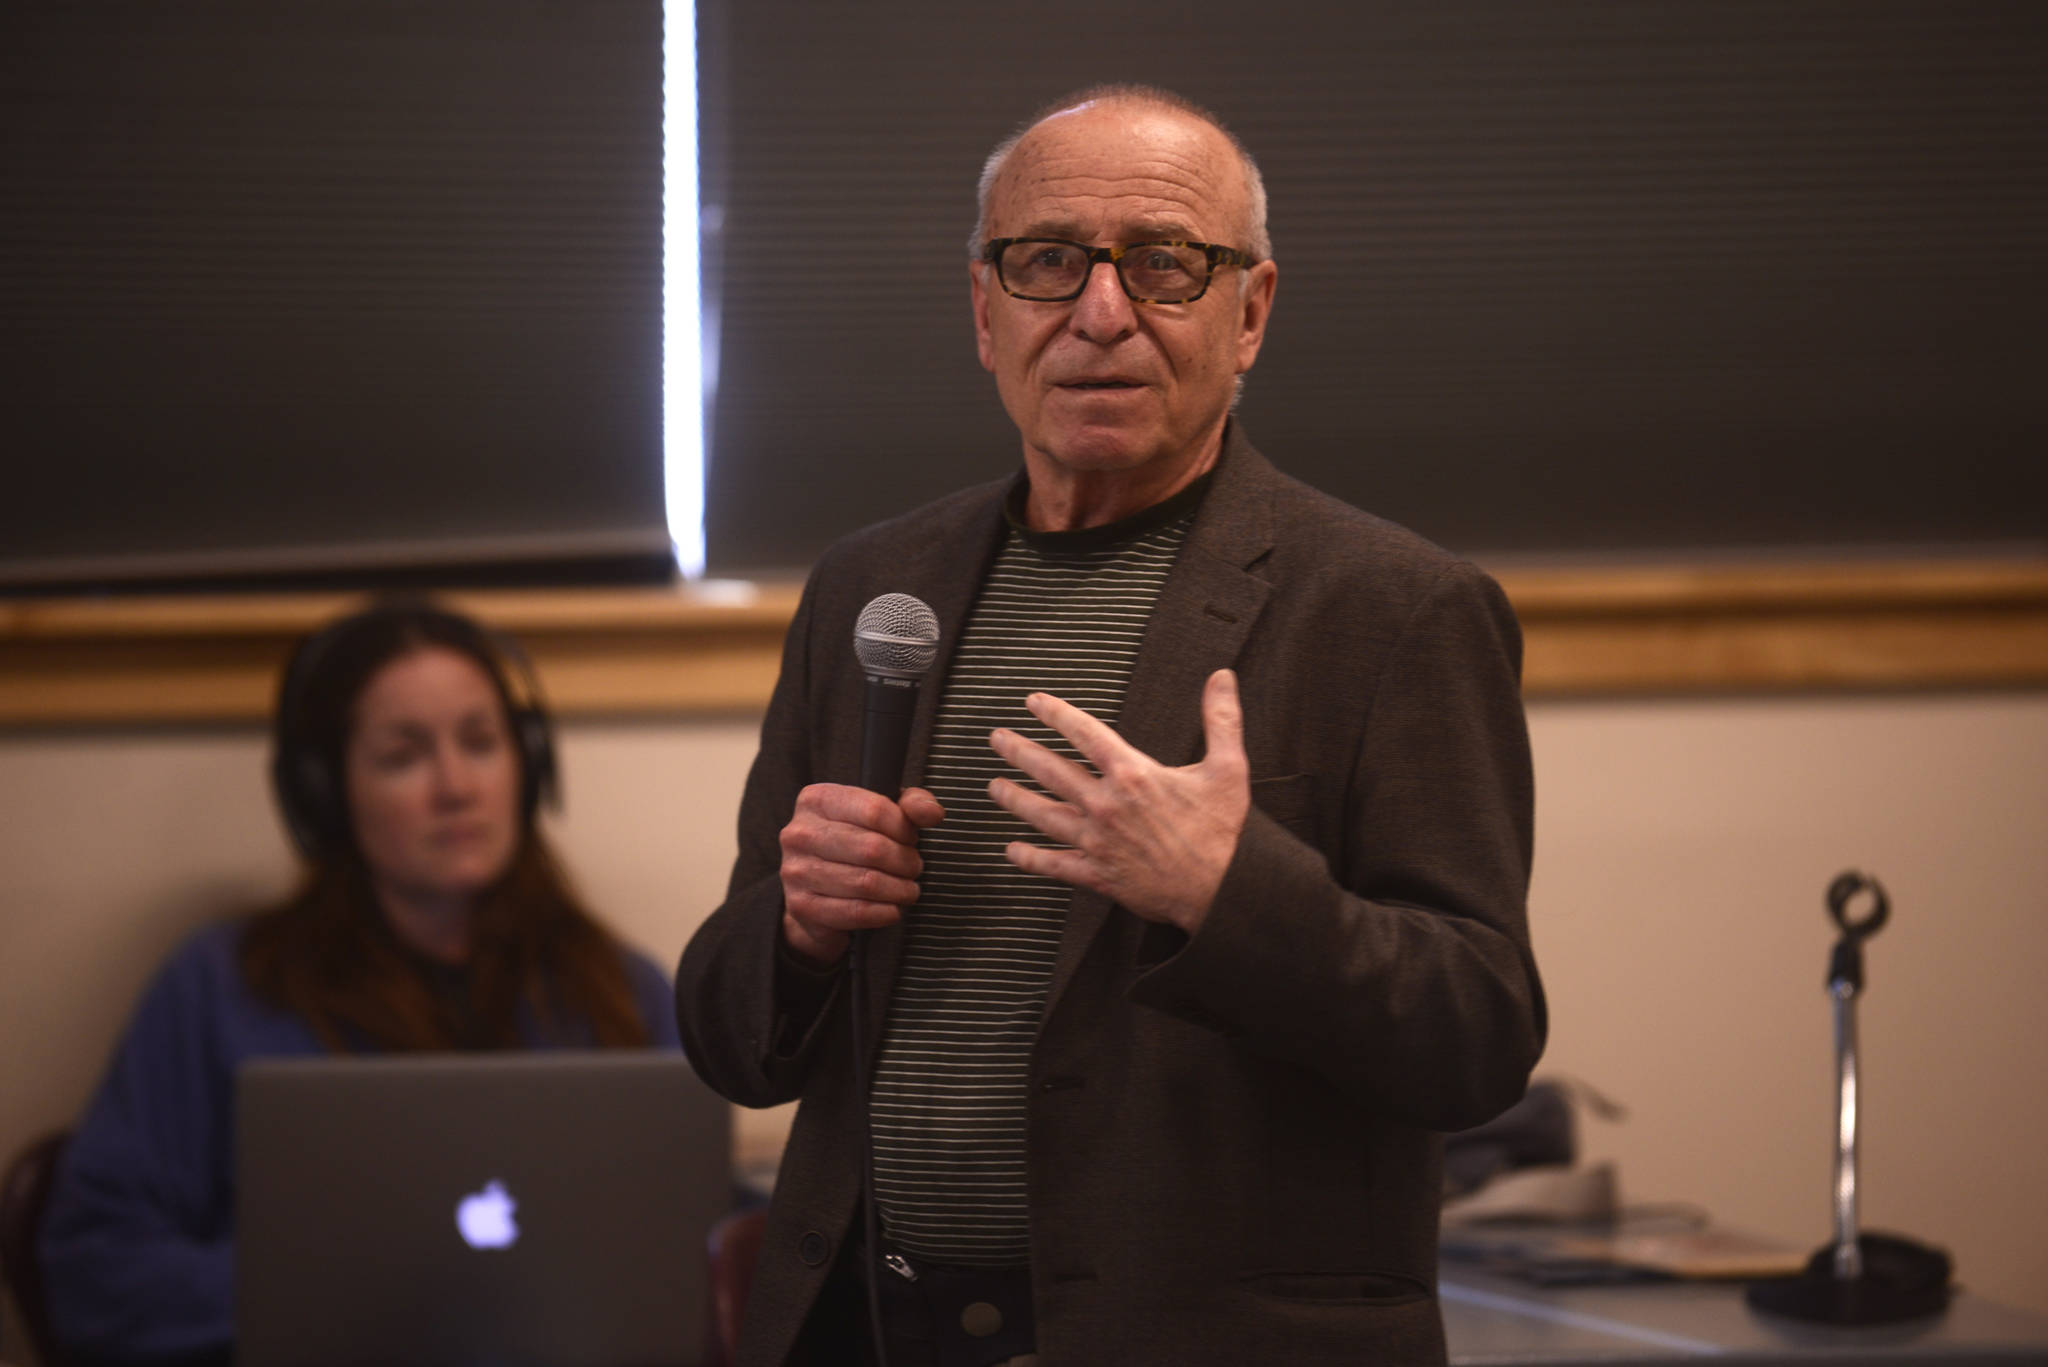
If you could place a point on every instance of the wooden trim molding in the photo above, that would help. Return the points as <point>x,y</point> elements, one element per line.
<point>1754,628</point>
<point>684,650</point>
<point>694,650</point>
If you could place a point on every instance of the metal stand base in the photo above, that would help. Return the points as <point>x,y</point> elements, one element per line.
<point>1900,1280</point>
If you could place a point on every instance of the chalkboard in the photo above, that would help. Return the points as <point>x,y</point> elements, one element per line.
<point>1628,278</point>
<point>1585,277</point>
<point>342,288</point>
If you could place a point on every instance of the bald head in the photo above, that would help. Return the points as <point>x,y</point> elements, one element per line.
<point>1245,194</point>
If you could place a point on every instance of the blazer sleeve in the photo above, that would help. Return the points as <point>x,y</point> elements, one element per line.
<point>1394,960</point>
<point>750,1020</point>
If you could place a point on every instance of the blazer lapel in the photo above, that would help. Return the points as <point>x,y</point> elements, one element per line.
<point>1204,616</point>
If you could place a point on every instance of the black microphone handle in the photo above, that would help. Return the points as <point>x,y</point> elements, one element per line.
<point>884,740</point>
<point>885,733</point>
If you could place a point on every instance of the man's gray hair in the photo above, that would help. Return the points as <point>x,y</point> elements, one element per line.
<point>1260,244</point>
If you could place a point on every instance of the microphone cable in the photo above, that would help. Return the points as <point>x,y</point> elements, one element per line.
<point>871,1222</point>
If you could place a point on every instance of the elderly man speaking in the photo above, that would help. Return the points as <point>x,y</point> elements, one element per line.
<point>1206,911</point>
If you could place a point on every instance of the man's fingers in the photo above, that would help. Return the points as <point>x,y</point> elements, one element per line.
<point>922,808</point>
<point>823,915</point>
<point>1055,819</point>
<point>1064,865</point>
<point>850,862</point>
<point>1223,720</point>
<point>836,844</point>
<point>817,928</point>
<point>825,877</point>
<point>846,805</point>
<point>1055,773</point>
<point>1093,737</point>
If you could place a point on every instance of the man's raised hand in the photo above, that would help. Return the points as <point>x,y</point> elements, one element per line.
<point>1155,839</point>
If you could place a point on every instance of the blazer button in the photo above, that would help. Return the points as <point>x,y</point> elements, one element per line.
<point>814,1248</point>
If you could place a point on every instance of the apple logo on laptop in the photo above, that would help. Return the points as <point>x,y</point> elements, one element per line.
<point>485,1217</point>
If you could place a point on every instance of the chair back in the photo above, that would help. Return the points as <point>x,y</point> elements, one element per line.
<point>734,1246</point>
<point>24,1192</point>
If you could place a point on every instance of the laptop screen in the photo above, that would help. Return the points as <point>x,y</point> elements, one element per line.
<point>546,1208</point>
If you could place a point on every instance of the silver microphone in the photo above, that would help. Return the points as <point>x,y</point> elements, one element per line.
<point>896,639</point>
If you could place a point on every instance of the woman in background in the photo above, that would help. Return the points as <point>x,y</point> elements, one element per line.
<point>433,917</point>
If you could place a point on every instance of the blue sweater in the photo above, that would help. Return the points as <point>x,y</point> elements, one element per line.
<point>137,1243</point>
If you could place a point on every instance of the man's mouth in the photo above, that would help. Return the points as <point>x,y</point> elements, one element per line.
<point>1100,384</point>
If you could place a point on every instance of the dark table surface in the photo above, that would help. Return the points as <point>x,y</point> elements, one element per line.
<point>1495,1320</point>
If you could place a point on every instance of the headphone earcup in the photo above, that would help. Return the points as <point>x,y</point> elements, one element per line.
<point>536,741</point>
<point>306,795</point>
<point>323,799</point>
<point>298,779</point>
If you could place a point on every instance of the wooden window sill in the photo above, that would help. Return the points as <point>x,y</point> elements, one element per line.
<point>687,650</point>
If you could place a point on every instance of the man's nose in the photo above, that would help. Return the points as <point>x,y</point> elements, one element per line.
<point>1103,312</point>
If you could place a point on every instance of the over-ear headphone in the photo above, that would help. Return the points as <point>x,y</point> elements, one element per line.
<point>310,790</point>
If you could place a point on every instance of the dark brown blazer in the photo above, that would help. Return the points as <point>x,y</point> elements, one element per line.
<point>1232,1138</point>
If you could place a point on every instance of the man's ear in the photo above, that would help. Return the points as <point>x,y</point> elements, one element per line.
<point>978,291</point>
<point>1255,306</point>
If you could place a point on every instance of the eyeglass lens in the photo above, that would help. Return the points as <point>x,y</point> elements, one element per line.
<point>1160,272</point>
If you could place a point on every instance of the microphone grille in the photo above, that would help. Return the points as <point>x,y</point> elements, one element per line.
<point>897,634</point>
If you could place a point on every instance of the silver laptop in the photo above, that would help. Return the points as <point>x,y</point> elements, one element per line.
<point>545,1209</point>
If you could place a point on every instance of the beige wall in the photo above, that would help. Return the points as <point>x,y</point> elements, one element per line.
<point>1682,850</point>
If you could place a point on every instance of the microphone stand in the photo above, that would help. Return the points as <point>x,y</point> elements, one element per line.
<point>1860,1278</point>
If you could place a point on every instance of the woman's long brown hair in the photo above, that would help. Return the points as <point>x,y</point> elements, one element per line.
<point>540,964</point>
<point>329,956</point>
